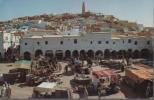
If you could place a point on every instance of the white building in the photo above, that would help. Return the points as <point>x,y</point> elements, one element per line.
<point>11,39</point>
<point>90,44</point>
<point>1,44</point>
<point>7,39</point>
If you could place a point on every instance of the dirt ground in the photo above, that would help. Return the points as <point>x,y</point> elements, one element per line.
<point>22,91</point>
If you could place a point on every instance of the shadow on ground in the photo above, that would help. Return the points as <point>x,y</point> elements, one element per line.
<point>22,85</point>
<point>129,92</point>
<point>69,73</point>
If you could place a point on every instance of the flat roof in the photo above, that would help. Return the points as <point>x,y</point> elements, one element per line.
<point>116,38</point>
<point>70,35</point>
<point>124,36</point>
<point>36,37</point>
<point>42,31</point>
<point>52,36</point>
<point>106,32</point>
<point>45,36</point>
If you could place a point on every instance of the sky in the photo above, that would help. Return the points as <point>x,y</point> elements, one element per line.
<point>140,11</point>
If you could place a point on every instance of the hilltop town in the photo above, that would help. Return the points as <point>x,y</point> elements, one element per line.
<point>76,56</point>
<point>67,21</point>
<point>16,28</point>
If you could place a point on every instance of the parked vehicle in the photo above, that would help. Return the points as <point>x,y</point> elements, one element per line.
<point>22,72</point>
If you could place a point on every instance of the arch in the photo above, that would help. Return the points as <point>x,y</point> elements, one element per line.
<point>114,54</point>
<point>38,53</point>
<point>59,54</point>
<point>145,53</point>
<point>68,54</point>
<point>83,54</point>
<point>129,53</point>
<point>27,56</point>
<point>99,54</point>
<point>136,54</point>
<point>124,53</point>
<point>120,54</point>
<point>90,53</point>
<point>0,55</point>
<point>107,53</point>
<point>49,53</point>
<point>75,53</point>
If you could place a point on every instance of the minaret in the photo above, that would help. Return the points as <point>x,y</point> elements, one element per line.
<point>83,7</point>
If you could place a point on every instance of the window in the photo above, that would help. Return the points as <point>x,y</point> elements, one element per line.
<point>107,42</point>
<point>135,42</point>
<point>123,41</point>
<point>46,42</point>
<point>38,43</point>
<point>99,42</point>
<point>61,42</point>
<point>91,42</point>
<point>75,41</point>
<point>25,43</point>
<point>148,42</point>
<point>129,41</point>
<point>113,42</point>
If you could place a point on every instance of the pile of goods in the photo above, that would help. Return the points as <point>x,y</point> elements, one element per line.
<point>42,70</point>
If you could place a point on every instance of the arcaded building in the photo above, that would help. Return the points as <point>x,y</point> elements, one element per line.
<point>1,45</point>
<point>85,44</point>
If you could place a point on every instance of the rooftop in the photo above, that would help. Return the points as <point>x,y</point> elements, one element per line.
<point>100,32</point>
<point>46,36</point>
<point>44,31</point>
<point>52,36</point>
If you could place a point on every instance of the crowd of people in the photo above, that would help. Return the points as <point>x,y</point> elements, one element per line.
<point>12,54</point>
<point>42,69</point>
<point>6,91</point>
<point>103,89</point>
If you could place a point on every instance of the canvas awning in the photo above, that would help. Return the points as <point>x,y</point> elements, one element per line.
<point>23,64</point>
<point>141,74</point>
<point>45,87</point>
<point>103,73</point>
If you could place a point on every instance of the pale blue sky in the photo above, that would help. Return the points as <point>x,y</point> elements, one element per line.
<point>132,10</point>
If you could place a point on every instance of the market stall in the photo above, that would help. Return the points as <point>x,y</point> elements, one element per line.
<point>107,75</point>
<point>140,79</point>
<point>45,87</point>
<point>55,90</point>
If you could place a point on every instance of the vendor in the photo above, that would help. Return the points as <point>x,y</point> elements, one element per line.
<point>122,67</point>
<point>119,79</point>
<point>101,88</point>
<point>89,61</point>
<point>148,90</point>
<point>66,68</point>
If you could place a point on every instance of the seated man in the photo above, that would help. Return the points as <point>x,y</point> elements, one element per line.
<point>101,87</point>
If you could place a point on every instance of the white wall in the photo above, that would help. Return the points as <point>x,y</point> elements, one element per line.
<point>1,44</point>
<point>9,37</point>
<point>83,43</point>
<point>6,40</point>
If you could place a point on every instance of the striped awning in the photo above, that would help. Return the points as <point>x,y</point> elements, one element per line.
<point>103,73</point>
